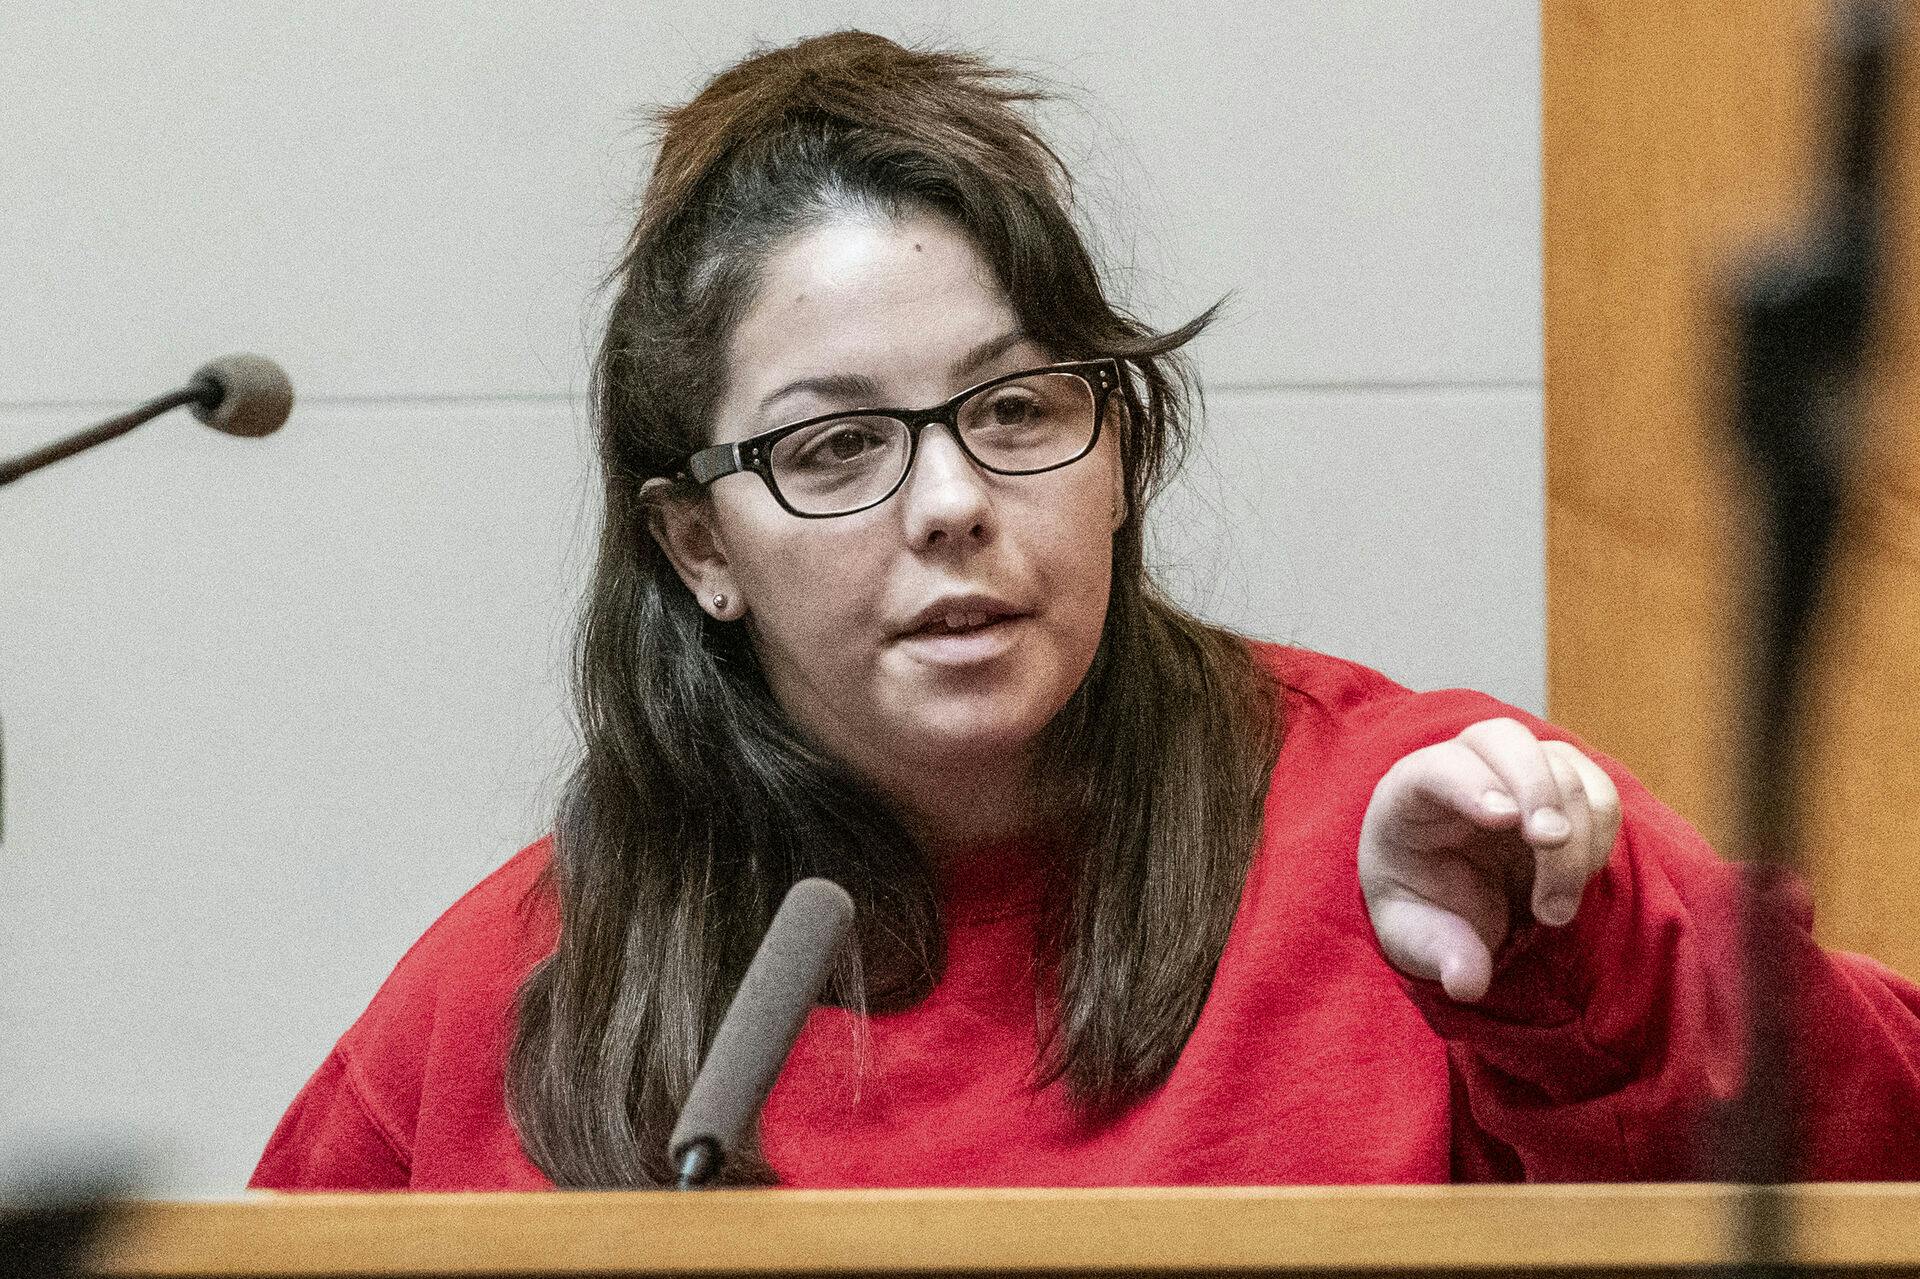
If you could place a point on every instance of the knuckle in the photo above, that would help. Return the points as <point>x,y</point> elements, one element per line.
<point>1427,763</point>
<point>1499,728</point>
<point>1571,788</point>
<point>1572,771</point>
<point>1407,766</point>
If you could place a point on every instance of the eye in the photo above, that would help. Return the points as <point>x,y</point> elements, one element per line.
<point>1013,408</point>
<point>845,444</point>
<point>837,444</point>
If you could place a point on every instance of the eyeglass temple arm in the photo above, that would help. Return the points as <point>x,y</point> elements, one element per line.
<point>709,464</point>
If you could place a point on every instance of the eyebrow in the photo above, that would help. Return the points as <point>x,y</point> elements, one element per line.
<point>863,390</point>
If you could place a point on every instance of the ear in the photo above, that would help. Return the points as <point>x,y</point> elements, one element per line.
<point>688,533</point>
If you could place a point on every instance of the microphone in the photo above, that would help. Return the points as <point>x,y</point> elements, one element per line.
<point>781,986</point>
<point>243,394</point>
<point>246,395</point>
<point>1804,324</point>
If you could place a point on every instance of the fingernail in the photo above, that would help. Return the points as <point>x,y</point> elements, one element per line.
<point>1499,803</point>
<point>1556,911</point>
<point>1550,823</point>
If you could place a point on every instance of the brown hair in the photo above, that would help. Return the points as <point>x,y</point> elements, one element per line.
<point>697,802</point>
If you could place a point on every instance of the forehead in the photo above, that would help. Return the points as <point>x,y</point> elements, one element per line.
<point>897,302</point>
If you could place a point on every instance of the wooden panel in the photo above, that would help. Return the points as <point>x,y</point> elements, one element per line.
<point>1407,1229</point>
<point>1679,135</point>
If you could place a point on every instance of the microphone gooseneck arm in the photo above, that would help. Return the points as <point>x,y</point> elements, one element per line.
<point>111,429</point>
<point>238,394</point>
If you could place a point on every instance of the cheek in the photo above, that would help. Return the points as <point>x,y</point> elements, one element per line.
<point>807,583</point>
<point>1074,548</point>
<point>1091,572</point>
<point>1084,523</point>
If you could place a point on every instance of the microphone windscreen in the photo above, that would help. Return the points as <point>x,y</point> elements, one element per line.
<point>243,395</point>
<point>781,987</point>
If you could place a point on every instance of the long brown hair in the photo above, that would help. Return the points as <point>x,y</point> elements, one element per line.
<point>697,802</point>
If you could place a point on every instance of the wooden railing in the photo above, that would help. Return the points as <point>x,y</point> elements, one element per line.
<point>1424,1230</point>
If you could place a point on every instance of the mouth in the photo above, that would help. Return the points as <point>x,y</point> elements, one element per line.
<point>962,632</point>
<point>963,621</point>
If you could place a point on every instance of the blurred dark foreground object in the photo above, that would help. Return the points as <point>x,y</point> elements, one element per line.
<point>49,1225</point>
<point>1803,330</point>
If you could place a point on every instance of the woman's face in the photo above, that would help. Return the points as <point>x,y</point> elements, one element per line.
<point>850,616</point>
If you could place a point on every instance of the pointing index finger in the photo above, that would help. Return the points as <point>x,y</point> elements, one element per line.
<point>1560,872</point>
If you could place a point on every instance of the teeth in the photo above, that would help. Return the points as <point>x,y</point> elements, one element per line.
<point>961,620</point>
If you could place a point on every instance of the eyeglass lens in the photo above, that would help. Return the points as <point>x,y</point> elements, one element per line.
<point>1028,424</point>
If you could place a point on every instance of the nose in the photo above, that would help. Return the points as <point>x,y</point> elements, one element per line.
<point>946,499</point>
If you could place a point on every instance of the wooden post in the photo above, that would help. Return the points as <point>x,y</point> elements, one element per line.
<point>1678,135</point>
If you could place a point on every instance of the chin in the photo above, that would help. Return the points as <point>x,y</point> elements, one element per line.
<point>975,727</point>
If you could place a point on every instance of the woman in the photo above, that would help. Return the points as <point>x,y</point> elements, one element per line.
<point>1139,901</point>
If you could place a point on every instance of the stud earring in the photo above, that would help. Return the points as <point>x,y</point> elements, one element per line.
<point>720,603</point>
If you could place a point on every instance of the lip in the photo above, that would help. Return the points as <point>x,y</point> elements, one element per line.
<point>963,648</point>
<point>995,609</point>
<point>923,640</point>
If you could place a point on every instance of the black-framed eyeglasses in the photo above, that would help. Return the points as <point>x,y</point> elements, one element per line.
<point>1018,424</point>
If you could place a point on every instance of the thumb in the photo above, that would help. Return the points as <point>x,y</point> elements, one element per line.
<point>1423,940</point>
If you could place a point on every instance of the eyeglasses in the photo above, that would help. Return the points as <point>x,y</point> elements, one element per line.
<point>839,463</point>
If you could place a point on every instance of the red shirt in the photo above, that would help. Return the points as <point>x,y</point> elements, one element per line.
<point>1597,1055</point>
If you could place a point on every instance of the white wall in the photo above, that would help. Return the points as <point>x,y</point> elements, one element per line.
<point>270,706</point>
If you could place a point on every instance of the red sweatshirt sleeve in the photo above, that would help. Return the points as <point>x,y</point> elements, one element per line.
<point>329,1140</point>
<point>1603,1048</point>
<point>413,1094</point>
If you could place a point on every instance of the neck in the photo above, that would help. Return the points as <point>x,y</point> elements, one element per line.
<point>954,810</point>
